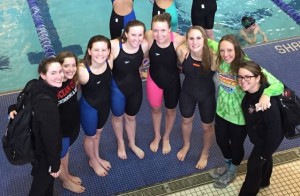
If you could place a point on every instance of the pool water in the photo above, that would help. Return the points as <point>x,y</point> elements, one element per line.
<point>71,23</point>
<point>272,20</point>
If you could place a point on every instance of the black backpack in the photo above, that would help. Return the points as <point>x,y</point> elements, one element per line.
<point>289,105</point>
<point>17,140</point>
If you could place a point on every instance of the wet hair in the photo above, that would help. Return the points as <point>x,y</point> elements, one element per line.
<point>206,54</point>
<point>133,23</point>
<point>239,53</point>
<point>255,69</point>
<point>165,17</point>
<point>44,64</point>
<point>97,38</point>
<point>67,54</point>
<point>247,21</point>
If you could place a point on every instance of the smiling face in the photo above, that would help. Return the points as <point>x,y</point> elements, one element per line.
<point>135,36</point>
<point>69,68</point>
<point>54,75</point>
<point>195,40</point>
<point>227,51</point>
<point>248,81</point>
<point>161,31</point>
<point>99,52</point>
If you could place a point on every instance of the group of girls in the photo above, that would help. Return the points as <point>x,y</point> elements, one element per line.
<point>109,79</point>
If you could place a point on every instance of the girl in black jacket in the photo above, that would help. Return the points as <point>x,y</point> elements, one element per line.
<point>45,127</point>
<point>263,128</point>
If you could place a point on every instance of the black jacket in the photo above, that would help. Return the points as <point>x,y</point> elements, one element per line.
<point>263,127</point>
<point>45,123</point>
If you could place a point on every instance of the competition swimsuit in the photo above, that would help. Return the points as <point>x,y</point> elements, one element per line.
<point>69,112</point>
<point>203,13</point>
<point>95,101</point>
<point>171,10</point>
<point>198,87</point>
<point>163,76</point>
<point>117,23</point>
<point>126,86</point>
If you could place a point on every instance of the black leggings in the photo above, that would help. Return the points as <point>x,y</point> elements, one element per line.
<point>230,138</point>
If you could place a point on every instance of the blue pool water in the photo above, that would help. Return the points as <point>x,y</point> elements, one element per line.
<point>71,23</point>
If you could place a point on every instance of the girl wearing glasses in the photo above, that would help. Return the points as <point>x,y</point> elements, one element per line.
<point>263,128</point>
<point>230,123</point>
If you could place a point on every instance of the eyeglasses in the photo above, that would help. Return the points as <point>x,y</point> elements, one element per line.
<point>246,78</point>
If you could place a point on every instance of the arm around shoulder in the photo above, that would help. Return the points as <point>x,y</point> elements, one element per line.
<point>276,87</point>
<point>182,52</point>
<point>145,47</point>
<point>178,40</point>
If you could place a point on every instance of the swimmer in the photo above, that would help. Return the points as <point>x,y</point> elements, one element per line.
<point>250,30</point>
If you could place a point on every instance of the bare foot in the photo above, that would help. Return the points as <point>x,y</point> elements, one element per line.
<point>166,146</point>
<point>202,162</point>
<point>182,153</point>
<point>138,152</point>
<point>105,164</point>
<point>154,144</point>
<point>71,186</point>
<point>98,169</point>
<point>75,179</point>
<point>122,151</point>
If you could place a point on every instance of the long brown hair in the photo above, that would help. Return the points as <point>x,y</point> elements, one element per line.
<point>240,56</point>
<point>206,53</point>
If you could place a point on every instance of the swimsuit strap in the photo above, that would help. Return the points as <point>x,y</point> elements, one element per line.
<point>88,68</point>
<point>172,36</point>
<point>120,43</point>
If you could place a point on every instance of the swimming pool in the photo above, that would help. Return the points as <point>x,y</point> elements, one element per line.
<point>71,23</point>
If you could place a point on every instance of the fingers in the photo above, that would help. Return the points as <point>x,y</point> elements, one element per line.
<point>55,175</point>
<point>12,114</point>
<point>262,107</point>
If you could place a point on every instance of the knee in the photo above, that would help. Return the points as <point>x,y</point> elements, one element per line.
<point>116,119</point>
<point>208,127</point>
<point>129,119</point>
<point>98,132</point>
<point>171,112</point>
<point>187,121</point>
<point>156,110</point>
<point>90,138</point>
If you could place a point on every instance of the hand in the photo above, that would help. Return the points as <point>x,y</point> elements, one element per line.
<point>12,114</point>
<point>264,103</point>
<point>256,29</point>
<point>56,174</point>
